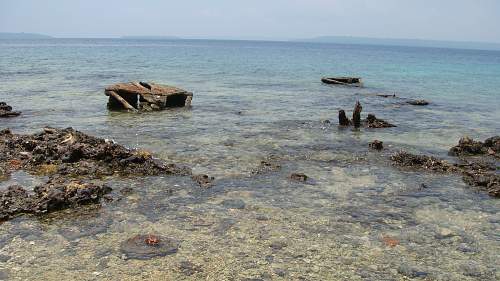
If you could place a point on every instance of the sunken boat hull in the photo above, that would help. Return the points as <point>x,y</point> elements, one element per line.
<point>346,81</point>
<point>142,96</point>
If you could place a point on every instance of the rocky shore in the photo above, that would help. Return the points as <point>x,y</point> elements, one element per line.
<point>75,164</point>
<point>477,162</point>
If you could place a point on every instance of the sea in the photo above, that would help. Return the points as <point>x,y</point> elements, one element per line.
<point>358,217</point>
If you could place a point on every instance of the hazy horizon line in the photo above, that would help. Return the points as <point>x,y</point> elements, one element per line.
<point>247,38</point>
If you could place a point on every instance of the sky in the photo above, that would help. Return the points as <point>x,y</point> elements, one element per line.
<point>456,20</point>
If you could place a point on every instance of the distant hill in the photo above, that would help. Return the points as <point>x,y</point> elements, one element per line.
<point>404,42</point>
<point>8,35</point>
<point>151,37</point>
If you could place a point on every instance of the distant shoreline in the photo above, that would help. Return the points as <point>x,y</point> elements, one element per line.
<point>342,40</point>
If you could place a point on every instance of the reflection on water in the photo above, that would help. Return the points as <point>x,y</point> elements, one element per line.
<point>357,219</point>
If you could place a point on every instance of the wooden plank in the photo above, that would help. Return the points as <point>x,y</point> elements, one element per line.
<point>121,100</point>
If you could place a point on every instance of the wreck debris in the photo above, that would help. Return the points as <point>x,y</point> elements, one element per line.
<point>386,95</point>
<point>346,81</point>
<point>370,122</point>
<point>6,111</point>
<point>145,247</point>
<point>343,120</point>
<point>356,115</point>
<point>418,102</point>
<point>377,145</point>
<point>143,96</point>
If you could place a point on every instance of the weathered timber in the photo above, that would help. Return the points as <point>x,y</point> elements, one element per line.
<point>343,120</point>
<point>356,115</point>
<point>145,96</point>
<point>345,81</point>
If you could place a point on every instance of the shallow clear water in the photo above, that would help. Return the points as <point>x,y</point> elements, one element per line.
<point>359,219</point>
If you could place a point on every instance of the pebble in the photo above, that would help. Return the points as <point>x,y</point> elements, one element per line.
<point>411,271</point>
<point>280,272</point>
<point>444,233</point>
<point>4,275</point>
<point>234,204</point>
<point>278,245</point>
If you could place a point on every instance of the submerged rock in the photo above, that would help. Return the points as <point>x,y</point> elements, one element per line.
<point>204,181</point>
<point>405,159</point>
<point>373,122</point>
<point>188,268</point>
<point>57,194</point>
<point>144,247</point>
<point>234,204</point>
<point>477,174</point>
<point>299,177</point>
<point>490,182</point>
<point>377,145</point>
<point>6,111</point>
<point>269,165</point>
<point>469,147</point>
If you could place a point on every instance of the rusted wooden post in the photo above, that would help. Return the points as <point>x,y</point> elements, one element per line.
<point>356,115</point>
<point>121,100</point>
<point>343,120</point>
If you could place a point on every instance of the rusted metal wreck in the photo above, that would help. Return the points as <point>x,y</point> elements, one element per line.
<point>143,96</point>
<point>346,81</point>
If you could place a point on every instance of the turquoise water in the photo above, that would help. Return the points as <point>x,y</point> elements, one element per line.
<point>253,100</point>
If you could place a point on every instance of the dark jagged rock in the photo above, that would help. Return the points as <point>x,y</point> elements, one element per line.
<point>269,165</point>
<point>490,182</point>
<point>72,160</point>
<point>73,153</point>
<point>204,181</point>
<point>299,177</point>
<point>343,120</point>
<point>356,115</point>
<point>145,247</point>
<point>373,122</point>
<point>60,194</point>
<point>6,111</point>
<point>469,147</point>
<point>377,145</point>
<point>418,102</point>
<point>405,159</point>
<point>482,175</point>
<point>57,194</point>
<point>15,199</point>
